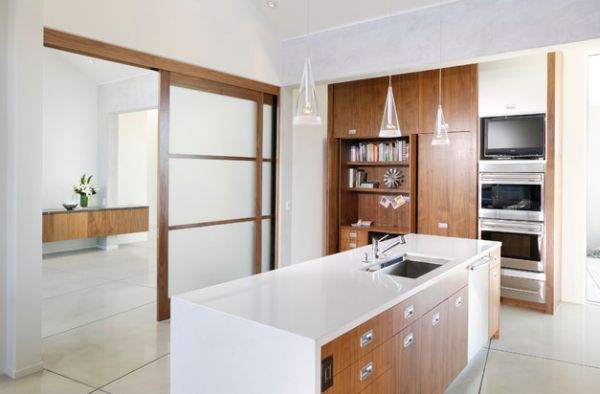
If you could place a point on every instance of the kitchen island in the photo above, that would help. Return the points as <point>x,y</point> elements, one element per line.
<point>330,325</point>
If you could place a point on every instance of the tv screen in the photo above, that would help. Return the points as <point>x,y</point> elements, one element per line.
<point>514,136</point>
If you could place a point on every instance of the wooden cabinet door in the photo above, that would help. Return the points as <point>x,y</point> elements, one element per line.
<point>494,297</point>
<point>358,108</point>
<point>434,350</point>
<point>447,202</point>
<point>459,98</point>
<point>407,350</point>
<point>383,385</point>
<point>407,92</point>
<point>458,329</point>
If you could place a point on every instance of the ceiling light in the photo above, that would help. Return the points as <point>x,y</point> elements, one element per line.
<point>440,132</point>
<point>271,4</point>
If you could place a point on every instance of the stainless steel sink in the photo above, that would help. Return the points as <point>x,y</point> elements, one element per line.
<point>409,266</point>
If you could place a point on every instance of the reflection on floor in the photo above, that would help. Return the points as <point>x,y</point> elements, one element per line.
<point>593,279</point>
<point>113,349</point>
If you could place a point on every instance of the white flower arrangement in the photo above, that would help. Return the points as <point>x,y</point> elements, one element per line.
<point>85,187</point>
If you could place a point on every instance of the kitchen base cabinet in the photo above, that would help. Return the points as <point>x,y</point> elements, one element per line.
<point>407,360</point>
<point>458,334</point>
<point>434,334</point>
<point>494,296</point>
<point>383,385</point>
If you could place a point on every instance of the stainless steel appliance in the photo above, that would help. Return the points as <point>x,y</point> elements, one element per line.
<point>522,242</point>
<point>523,275</point>
<point>513,196</point>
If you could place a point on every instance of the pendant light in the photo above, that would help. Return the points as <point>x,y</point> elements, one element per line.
<point>306,111</point>
<point>390,126</point>
<point>440,132</point>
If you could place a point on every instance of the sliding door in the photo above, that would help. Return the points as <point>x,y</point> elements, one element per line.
<point>217,170</point>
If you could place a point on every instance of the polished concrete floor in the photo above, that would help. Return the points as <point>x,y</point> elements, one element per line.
<point>100,336</point>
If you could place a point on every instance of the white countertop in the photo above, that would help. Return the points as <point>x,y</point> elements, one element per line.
<point>321,299</point>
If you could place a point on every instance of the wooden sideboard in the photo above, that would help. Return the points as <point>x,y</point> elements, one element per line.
<point>60,225</point>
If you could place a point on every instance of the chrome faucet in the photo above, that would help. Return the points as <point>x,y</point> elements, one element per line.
<point>400,240</point>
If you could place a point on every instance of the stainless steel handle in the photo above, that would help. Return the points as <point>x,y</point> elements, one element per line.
<point>366,371</point>
<point>352,245</point>
<point>482,263</point>
<point>491,226</point>
<point>352,234</point>
<point>367,338</point>
<point>352,131</point>
<point>409,312</point>
<point>516,178</point>
<point>435,320</point>
<point>459,302</point>
<point>409,339</point>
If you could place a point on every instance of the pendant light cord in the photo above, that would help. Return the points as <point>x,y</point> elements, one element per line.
<point>308,26</point>
<point>390,36</point>
<point>440,44</point>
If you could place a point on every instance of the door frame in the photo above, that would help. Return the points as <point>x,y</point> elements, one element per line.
<point>211,80</point>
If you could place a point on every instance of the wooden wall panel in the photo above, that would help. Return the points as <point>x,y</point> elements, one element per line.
<point>407,92</point>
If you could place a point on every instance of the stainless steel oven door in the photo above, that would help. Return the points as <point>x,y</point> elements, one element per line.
<point>513,196</point>
<point>522,242</point>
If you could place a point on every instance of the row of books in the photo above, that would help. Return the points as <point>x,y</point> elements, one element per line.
<point>384,151</point>
<point>358,178</point>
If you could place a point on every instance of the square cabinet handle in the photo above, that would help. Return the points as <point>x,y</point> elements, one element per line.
<point>366,371</point>
<point>367,338</point>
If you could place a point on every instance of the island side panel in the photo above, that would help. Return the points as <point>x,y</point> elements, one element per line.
<point>212,352</point>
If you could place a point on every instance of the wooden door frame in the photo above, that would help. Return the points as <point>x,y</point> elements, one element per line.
<point>211,80</point>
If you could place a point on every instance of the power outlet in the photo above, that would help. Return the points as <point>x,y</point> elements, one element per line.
<point>326,373</point>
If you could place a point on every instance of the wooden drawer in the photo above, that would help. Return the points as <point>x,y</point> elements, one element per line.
<point>407,312</point>
<point>359,376</point>
<point>352,234</point>
<point>356,343</point>
<point>64,226</point>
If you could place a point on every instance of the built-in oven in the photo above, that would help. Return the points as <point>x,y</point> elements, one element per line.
<point>512,196</point>
<point>522,257</point>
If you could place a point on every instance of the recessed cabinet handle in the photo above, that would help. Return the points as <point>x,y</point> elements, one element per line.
<point>409,312</point>
<point>409,339</point>
<point>459,301</point>
<point>352,245</point>
<point>367,338</point>
<point>436,319</point>
<point>352,131</point>
<point>366,371</point>
<point>352,234</point>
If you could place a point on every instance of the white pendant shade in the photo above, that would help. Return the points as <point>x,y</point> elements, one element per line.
<point>306,112</point>
<point>440,133</point>
<point>390,127</point>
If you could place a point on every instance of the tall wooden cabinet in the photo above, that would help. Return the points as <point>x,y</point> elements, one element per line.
<point>440,181</point>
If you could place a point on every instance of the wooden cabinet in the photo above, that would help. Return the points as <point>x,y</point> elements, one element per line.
<point>458,334</point>
<point>407,92</point>
<point>63,226</point>
<point>434,329</point>
<point>494,296</point>
<point>447,203</point>
<point>352,238</point>
<point>459,98</point>
<point>358,108</point>
<point>407,350</point>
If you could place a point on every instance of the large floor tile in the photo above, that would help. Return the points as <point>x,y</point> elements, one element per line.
<point>57,282</point>
<point>99,353</point>
<point>154,378</point>
<point>42,383</point>
<point>470,378</point>
<point>77,308</point>
<point>511,373</point>
<point>572,334</point>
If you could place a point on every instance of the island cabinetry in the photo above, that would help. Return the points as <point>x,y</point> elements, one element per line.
<point>494,296</point>
<point>423,340</point>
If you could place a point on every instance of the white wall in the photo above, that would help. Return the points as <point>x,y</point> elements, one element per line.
<point>70,144</point>
<point>138,161</point>
<point>226,35</point>
<point>574,169</point>
<point>303,185</point>
<point>23,179</point>
<point>471,29</point>
<point>513,86</point>
<point>3,166</point>
<point>593,147</point>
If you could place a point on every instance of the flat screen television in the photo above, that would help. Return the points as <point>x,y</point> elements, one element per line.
<point>513,137</point>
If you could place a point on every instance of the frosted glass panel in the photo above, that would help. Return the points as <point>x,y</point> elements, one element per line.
<point>204,256</point>
<point>210,190</point>
<point>267,245</point>
<point>267,131</point>
<point>267,187</point>
<point>211,124</point>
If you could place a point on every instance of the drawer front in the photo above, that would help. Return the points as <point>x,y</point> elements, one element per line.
<point>354,235</point>
<point>382,385</point>
<point>358,342</point>
<point>366,371</point>
<point>407,312</point>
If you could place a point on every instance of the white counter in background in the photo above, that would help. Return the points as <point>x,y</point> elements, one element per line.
<point>262,334</point>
